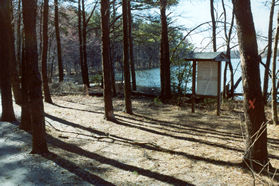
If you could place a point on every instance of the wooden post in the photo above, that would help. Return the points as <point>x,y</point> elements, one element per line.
<point>219,88</point>
<point>194,86</point>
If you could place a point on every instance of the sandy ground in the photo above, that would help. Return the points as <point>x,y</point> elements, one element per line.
<point>158,145</point>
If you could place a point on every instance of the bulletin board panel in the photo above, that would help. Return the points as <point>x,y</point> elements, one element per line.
<point>207,78</point>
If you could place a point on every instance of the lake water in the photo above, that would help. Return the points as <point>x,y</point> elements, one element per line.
<point>151,77</point>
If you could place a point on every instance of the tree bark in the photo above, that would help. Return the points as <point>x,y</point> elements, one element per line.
<point>84,34</point>
<point>25,123</point>
<point>81,44</point>
<point>105,60</point>
<point>57,32</point>
<point>127,83</point>
<point>256,155</point>
<point>213,25</point>
<point>164,54</point>
<point>112,50</point>
<point>228,36</point>
<point>269,51</point>
<point>15,82</point>
<point>225,82</point>
<point>131,46</point>
<point>39,145</point>
<point>44,53</point>
<point>6,54</point>
<point>274,89</point>
<point>40,17</point>
<point>19,44</point>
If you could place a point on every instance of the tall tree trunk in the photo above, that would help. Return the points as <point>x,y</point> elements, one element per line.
<point>81,44</point>
<point>19,34</point>
<point>131,46</point>
<point>39,145</point>
<point>6,54</point>
<point>50,58</point>
<point>127,83</point>
<point>274,89</point>
<point>13,71</point>
<point>112,50</point>
<point>57,32</point>
<point>44,53</point>
<point>228,36</point>
<point>225,82</point>
<point>25,123</point>
<point>84,34</point>
<point>40,16</point>
<point>256,155</point>
<point>164,54</point>
<point>269,51</point>
<point>105,59</point>
<point>213,25</point>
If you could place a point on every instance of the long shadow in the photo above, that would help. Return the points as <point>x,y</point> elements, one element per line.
<point>200,131</point>
<point>151,146</point>
<point>82,110</point>
<point>180,126</point>
<point>114,163</point>
<point>70,166</point>
<point>126,124</point>
<point>131,125</point>
<point>189,130</point>
<point>75,169</point>
<point>160,177</point>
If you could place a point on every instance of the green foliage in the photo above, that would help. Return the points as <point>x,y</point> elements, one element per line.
<point>147,36</point>
<point>157,101</point>
<point>181,73</point>
<point>64,88</point>
<point>147,4</point>
<point>96,78</point>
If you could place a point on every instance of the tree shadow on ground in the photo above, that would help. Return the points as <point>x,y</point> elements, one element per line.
<point>104,160</point>
<point>149,146</point>
<point>17,167</point>
<point>181,127</point>
<point>72,167</point>
<point>172,130</point>
<point>178,128</point>
<point>82,110</point>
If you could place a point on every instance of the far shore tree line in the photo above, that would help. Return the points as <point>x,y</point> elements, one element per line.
<point>81,34</point>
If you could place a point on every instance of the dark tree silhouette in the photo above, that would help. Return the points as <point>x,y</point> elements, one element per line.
<point>25,123</point>
<point>269,51</point>
<point>84,71</point>
<point>274,89</point>
<point>14,72</point>
<point>228,37</point>
<point>131,46</point>
<point>127,83</point>
<point>44,53</point>
<point>39,145</point>
<point>18,33</point>
<point>84,43</point>
<point>105,13</point>
<point>6,58</point>
<point>256,155</point>
<point>164,54</point>
<point>212,13</point>
<point>57,32</point>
